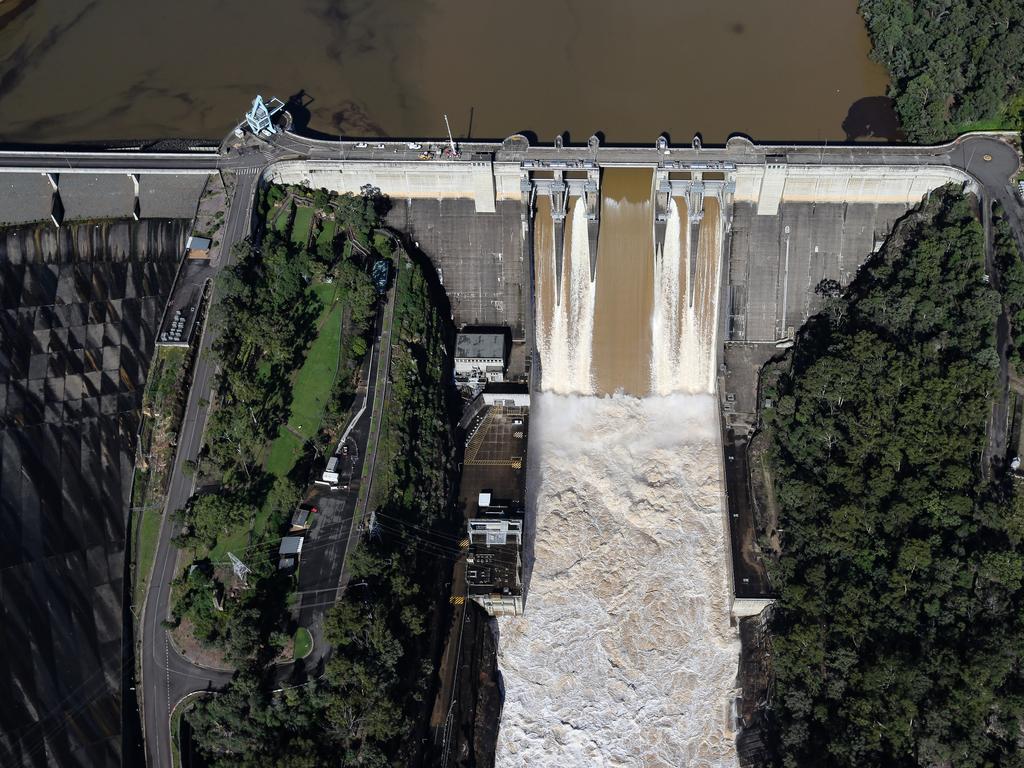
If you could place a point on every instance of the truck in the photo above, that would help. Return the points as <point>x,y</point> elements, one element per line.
<point>330,475</point>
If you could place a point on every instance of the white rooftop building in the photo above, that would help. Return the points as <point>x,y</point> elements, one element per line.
<point>480,357</point>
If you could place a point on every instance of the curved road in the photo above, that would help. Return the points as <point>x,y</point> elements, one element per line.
<point>167,677</point>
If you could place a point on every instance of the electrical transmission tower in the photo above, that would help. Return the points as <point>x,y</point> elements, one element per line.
<point>241,569</point>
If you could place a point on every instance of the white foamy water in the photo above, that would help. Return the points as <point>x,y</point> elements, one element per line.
<point>625,656</point>
<point>669,295</point>
<point>685,322</point>
<point>566,347</point>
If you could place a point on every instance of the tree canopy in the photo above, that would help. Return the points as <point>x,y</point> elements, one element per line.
<point>368,708</point>
<point>952,63</point>
<point>899,631</point>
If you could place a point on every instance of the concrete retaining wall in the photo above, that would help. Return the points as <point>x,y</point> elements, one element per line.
<point>749,606</point>
<point>771,184</point>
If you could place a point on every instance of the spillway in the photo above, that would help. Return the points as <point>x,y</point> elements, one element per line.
<point>686,289</point>
<point>566,318</point>
<point>625,283</point>
<point>625,655</point>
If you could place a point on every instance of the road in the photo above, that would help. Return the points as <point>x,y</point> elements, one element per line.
<point>166,676</point>
<point>327,544</point>
<point>966,153</point>
<point>995,188</point>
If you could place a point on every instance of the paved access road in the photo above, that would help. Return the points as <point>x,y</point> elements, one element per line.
<point>166,676</point>
<point>327,543</point>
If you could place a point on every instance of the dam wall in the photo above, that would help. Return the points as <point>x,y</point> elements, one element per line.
<point>79,311</point>
<point>482,181</point>
<point>31,196</point>
<point>772,183</point>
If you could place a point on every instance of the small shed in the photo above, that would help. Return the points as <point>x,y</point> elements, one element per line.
<point>290,545</point>
<point>302,518</point>
<point>288,553</point>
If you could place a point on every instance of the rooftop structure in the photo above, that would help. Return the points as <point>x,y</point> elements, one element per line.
<point>479,357</point>
<point>507,394</point>
<point>288,552</point>
<point>290,545</point>
<point>494,568</point>
<point>302,518</point>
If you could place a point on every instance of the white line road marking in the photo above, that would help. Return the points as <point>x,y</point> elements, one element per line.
<point>167,669</point>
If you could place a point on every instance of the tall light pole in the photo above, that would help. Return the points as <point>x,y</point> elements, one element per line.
<point>451,141</point>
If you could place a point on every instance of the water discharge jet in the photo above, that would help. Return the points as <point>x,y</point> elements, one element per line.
<point>625,655</point>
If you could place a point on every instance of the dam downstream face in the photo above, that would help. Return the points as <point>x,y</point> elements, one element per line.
<point>644,319</point>
<point>625,655</point>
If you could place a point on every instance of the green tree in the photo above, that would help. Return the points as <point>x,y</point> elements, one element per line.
<point>898,637</point>
<point>951,63</point>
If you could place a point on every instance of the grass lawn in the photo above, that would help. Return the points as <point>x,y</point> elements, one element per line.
<point>281,224</point>
<point>311,387</point>
<point>303,643</point>
<point>146,540</point>
<point>284,452</point>
<point>235,542</point>
<point>326,234</point>
<point>302,223</point>
<point>313,382</point>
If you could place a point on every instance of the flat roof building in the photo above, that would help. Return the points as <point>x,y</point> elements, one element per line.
<point>480,357</point>
<point>507,394</point>
<point>289,551</point>
<point>494,567</point>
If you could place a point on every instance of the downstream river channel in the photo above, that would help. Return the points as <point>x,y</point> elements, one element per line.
<point>111,69</point>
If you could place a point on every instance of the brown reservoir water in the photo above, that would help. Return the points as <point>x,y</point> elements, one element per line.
<point>625,282</point>
<point>102,69</point>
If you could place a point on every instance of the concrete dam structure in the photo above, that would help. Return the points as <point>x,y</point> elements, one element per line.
<point>474,214</point>
<point>644,287</point>
<point>648,275</point>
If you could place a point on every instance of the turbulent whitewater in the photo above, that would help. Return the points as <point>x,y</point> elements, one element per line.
<point>625,655</point>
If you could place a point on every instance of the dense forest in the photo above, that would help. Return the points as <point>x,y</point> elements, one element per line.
<point>954,65</point>
<point>367,708</point>
<point>898,637</point>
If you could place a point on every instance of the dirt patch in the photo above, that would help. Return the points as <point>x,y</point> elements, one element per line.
<point>189,646</point>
